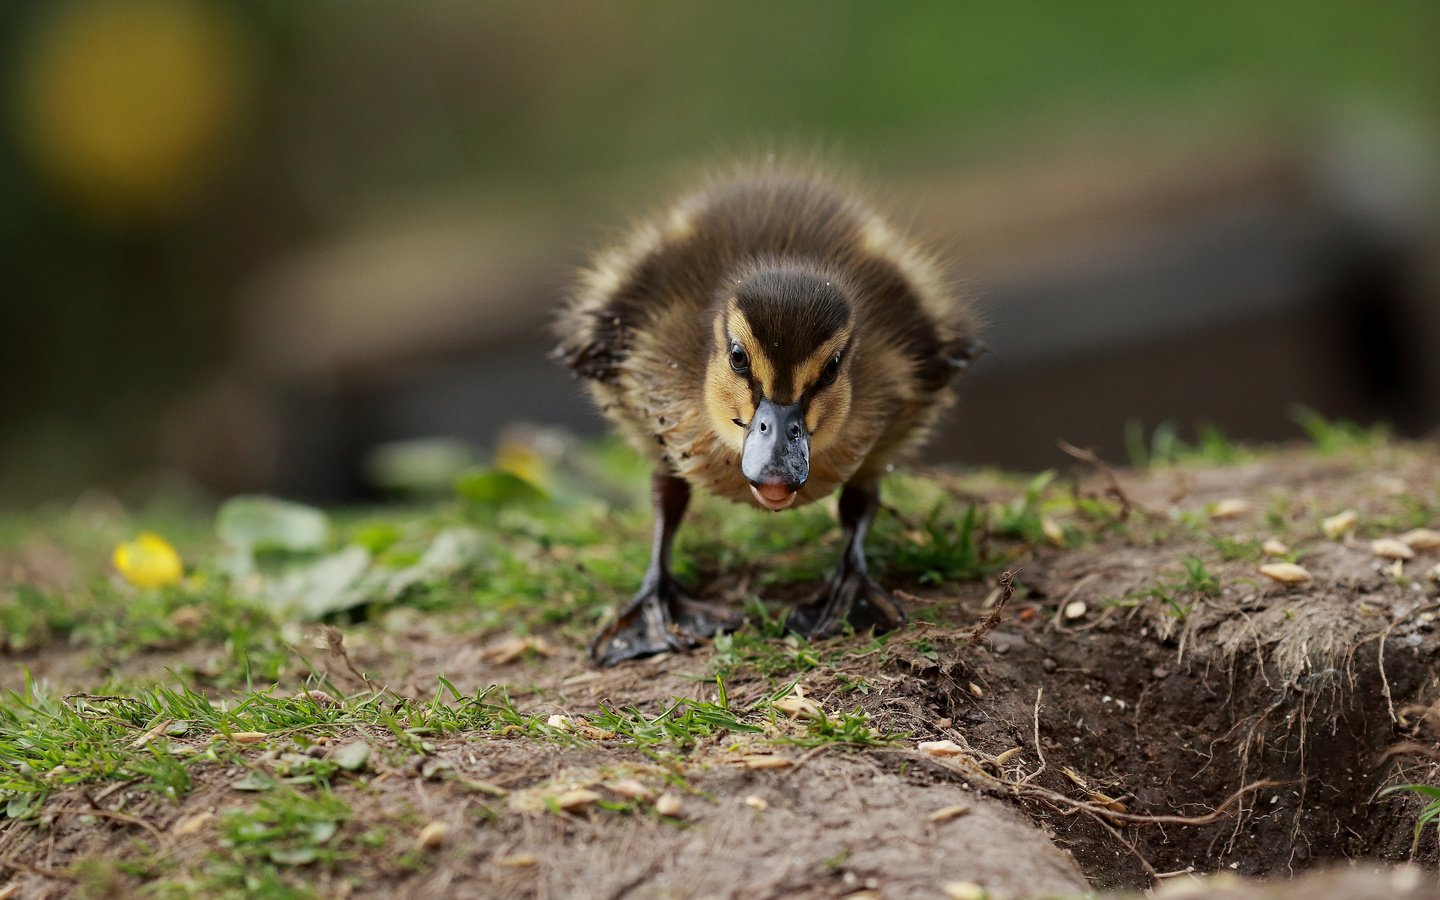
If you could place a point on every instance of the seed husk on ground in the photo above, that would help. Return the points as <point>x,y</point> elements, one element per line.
<point>192,824</point>
<point>963,890</point>
<point>1230,508</point>
<point>797,707</point>
<point>766,761</point>
<point>1389,548</point>
<point>1421,539</point>
<point>517,860</point>
<point>1053,532</point>
<point>577,800</point>
<point>946,813</point>
<point>669,804</point>
<point>512,649</point>
<point>630,789</point>
<point>1286,573</point>
<point>1340,524</point>
<point>432,836</point>
<point>1274,547</point>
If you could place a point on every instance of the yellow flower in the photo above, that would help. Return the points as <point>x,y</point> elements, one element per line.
<point>148,561</point>
<point>523,461</point>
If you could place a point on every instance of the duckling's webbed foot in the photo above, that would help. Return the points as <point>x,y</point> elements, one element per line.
<point>662,616</point>
<point>850,594</point>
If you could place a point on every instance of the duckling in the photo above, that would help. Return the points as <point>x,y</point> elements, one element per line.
<point>768,339</point>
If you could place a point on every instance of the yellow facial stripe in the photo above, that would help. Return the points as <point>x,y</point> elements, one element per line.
<point>760,365</point>
<point>809,371</point>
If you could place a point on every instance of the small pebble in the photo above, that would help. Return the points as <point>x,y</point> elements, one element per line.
<point>1075,609</point>
<point>1048,664</point>
<point>668,805</point>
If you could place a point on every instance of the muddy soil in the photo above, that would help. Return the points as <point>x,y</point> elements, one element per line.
<point>1126,724</point>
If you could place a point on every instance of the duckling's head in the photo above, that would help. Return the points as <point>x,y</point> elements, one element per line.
<point>777,383</point>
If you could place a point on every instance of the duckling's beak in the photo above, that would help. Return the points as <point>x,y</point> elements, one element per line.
<point>776,455</point>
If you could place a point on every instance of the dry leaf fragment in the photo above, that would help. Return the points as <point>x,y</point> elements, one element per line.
<point>963,890</point>
<point>1274,547</point>
<point>1390,548</point>
<point>940,748</point>
<point>1075,609</point>
<point>759,761</point>
<point>1286,573</point>
<point>668,805</point>
<point>797,707</point>
<point>577,800</point>
<point>1230,508</point>
<point>432,836</point>
<point>1421,539</point>
<point>1340,524</point>
<point>946,813</point>
<point>630,789</point>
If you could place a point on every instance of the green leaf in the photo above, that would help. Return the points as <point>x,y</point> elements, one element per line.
<point>251,525</point>
<point>353,757</point>
<point>494,488</point>
<point>330,584</point>
<point>254,781</point>
<point>296,856</point>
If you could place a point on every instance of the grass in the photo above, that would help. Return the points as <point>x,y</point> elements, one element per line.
<point>1429,811</point>
<point>296,769</point>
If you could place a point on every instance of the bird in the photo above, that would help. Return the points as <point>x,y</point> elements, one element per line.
<point>768,338</point>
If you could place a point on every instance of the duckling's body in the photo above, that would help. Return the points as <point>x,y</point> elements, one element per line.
<point>767,339</point>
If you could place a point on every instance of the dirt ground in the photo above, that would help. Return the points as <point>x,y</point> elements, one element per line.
<point>1125,724</point>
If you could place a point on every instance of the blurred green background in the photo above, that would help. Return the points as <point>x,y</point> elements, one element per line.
<point>247,243</point>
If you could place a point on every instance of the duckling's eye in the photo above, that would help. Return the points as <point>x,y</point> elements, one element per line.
<point>739,359</point>
<point>831,371</point>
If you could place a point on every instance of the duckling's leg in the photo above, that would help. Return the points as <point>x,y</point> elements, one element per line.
<point>850,593</point>
<point>662,616</point>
